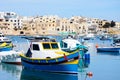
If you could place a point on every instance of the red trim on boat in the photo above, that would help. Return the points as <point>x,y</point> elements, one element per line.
<point>16,63</point>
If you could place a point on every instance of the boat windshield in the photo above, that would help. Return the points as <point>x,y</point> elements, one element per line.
<point>50,46</point>
<point>46,46</point>
<point>63,45</point>
<point>54,45</point>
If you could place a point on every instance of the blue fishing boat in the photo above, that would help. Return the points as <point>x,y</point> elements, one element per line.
<point>5,43</point>
<point>46,55</point>
<point>108,49</point>
<point>114,47</point>
<point>6,46</point>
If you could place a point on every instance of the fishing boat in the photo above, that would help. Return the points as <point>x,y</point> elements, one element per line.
<point>70,44</point>
<point>7,54</point>
<point>108,49</point>
<point>114,47</point>
<point>5,43</point>
<point>89,36</point>
<point>46,55</point>
<point>10,57</point>
<point>4,39</point>
<point>6,46</point>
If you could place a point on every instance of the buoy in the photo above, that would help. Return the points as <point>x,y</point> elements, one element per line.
<point>96,46</point>
<point>89,74</point>
<point>87,56</point>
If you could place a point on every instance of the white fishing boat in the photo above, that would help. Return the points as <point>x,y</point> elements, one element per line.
<point>89,36</point>
<point>10,57</point>
<point>4,39</point>
<point>7,54</point>
<point>70,44</point>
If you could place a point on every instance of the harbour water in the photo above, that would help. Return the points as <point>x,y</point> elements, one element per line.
<point>104,66</point>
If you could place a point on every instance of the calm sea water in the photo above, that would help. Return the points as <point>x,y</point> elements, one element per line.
<point>104,66</point>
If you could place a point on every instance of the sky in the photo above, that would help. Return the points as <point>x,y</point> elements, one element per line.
<point>101,9</point>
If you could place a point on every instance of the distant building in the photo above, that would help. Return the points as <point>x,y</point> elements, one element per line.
<point>12,23</point>
<point>12,17</point>
<point>117,25</point>
<point>6,27</point>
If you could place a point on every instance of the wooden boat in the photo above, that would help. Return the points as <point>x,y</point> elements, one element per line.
<point>10,57</point>
<point>4,39</point>
<point>46,55</point>
<point>70,44</point>
<point>6,46</point>
<point>115,47</point>
<point>108,49</point>
<point>89,36</point>
<point>7,54</point>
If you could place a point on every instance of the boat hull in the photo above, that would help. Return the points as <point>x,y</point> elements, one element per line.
<point>108,49</point>
<point>66,67</point>
<point>11,57</point>
<point>16,61</point>
<point>6,49</point>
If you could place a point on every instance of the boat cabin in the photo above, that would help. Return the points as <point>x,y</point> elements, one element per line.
<point>69,43</point>
<point>44,49</point>
<point>41,46</point>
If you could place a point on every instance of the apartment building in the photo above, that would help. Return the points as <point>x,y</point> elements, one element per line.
<point>6,27</point>
<point>42,25</point>
<point>13,18</point>
<point>117,25</point>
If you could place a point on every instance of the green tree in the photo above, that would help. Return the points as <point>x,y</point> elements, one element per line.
<point>106,26</point>
<point>25,28</point>
<point>112,24</point>
<point>15,28</point>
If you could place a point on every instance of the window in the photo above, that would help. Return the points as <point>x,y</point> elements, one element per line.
<point>63,45</point>
<point>36,47</point>
<point>46,45</point>
<point>7,20</point>
<point>53,24</point>
<point>58,29</point>
<point>54,45</point>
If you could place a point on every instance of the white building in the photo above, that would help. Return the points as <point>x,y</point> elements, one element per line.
<point>12,17</point>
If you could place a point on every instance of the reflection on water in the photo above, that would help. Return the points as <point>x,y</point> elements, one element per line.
<point>15,72</point>
<point>28,74</point>
<point>83,64</point>
<point>12,71</point>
